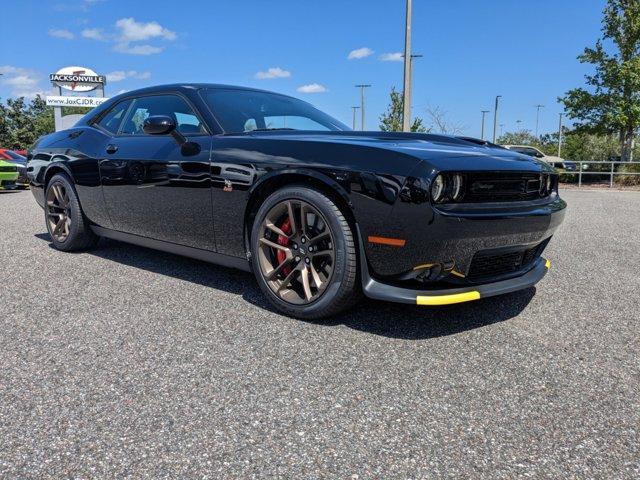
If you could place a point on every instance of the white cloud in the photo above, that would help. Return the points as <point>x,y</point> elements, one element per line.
<point>392,57</point>
<point>132,31</point>
<point>82,6</point>
<point>10,71</point>
<point>137,49</point>
<point>22,82</point>
<point>94,34</point>
<point>312,88</point>
<point>360,53</point>
<point>61,33</point>
<point>273,72</point>
<point>120,75</point>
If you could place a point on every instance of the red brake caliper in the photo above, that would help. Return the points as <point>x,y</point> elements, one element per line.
<point>284,241</point>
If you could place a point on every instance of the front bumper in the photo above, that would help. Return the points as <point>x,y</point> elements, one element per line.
<point>381,291</point>
<point>454,235</point>
<point>8,179</point>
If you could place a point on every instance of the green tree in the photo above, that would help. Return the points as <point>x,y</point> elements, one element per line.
<point>611,101</point>
<point>22,122</point>
<point>579,145</point>
<point>391,120</point>
<point>522,137</point>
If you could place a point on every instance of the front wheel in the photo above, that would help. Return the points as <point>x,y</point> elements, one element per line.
<point>66,223</point>
<point>303,254</point>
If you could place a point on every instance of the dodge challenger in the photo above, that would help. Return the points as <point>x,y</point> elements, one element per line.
<point>266,183</point>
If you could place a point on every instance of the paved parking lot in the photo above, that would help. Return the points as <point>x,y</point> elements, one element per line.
<point>126,362</point>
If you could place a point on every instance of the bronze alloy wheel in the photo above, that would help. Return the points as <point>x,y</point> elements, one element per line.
<point>58,211</point>
<point>295,253</point>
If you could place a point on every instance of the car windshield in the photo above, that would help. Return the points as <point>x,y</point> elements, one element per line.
<point>241,111</point>
<point>527,151</point>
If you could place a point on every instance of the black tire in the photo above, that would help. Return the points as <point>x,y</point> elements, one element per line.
<point>343,289</point>
<point>80,236</point>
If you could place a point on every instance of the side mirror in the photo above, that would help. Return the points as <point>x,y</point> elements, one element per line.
<point>158,125</point>
<point>162,125</point>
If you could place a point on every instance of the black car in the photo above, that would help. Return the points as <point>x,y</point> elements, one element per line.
<point>267,183</point>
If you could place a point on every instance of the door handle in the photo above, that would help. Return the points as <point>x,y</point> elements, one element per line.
<point>111,148</point>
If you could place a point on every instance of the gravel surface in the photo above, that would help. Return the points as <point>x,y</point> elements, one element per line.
<point>126,362</point>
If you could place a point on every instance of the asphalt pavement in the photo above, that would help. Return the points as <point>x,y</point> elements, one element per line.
<point>125,362</point>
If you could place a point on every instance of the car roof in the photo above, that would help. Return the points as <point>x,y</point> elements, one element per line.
<point>172,87</point>
<point>167,88</point>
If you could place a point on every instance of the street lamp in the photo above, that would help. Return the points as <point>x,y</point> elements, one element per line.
<point>560,135</point>
<point>484,112</point>
<point>354,116</point>
<point>362,87</point>
<point>406,94</point>
<point>538,107</point>
<point>495,117</point>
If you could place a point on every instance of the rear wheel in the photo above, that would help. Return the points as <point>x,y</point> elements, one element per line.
<point>304,254</point>
<point>66,223</point>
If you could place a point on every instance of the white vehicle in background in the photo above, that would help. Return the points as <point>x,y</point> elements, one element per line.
<point>554,161</point>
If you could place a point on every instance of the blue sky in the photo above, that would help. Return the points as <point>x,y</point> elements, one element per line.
<point>473,50</point>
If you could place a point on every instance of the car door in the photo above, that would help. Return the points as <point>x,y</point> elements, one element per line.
<point>153,186</point>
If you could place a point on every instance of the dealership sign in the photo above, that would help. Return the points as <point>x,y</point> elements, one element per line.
<point>59,101</point>
<point>77,79</point>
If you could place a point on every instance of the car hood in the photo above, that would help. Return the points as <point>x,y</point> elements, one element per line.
<point>441,151</point>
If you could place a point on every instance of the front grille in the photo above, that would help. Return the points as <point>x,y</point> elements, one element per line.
<point>502,187</point>
<point>8,168</point>
<point>493,264</point>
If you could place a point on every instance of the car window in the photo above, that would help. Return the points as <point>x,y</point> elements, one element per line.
<point>240,111</point>
<point>111,121</point>
<point>292,121</point>
<point>172,106</point>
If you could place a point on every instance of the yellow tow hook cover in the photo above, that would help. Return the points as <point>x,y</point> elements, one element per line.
<point>548,264</point>
<point>447,299</point>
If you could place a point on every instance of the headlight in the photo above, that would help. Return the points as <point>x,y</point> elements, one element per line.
<point>548,187</point>
<point>437,188</point>
<point>456,187</point>
<point>543,184</point>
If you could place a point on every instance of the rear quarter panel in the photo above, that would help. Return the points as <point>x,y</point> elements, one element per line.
<point>77,152</point>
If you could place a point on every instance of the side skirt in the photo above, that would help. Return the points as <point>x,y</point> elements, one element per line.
<point>197,253</point>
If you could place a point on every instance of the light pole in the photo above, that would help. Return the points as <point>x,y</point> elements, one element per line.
<point>495,117</point>
<point>484,112</point>
<point>518,122</point>
<point>501,128</point>
<point>406,94</point>
<point>362,87</point>
<point>354,116</point>
<point>560,135</point>
<point>538,107</point>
